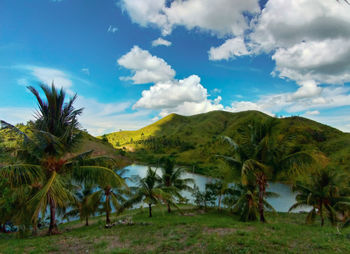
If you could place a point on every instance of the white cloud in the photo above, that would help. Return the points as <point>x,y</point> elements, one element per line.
<point>161,42</point>
<point>99,118</point>
<point>238,106</point>
<point>50,75</point>
<point>86,71</point>
<point>22,82</point>
<point>328,97</point>
<point>229,49</point>
<point>185,96</point>
<point>16,115</point>
<point>167,95</point>
<point>312,113</point>
<point>112,29</point>
<point>145,67</point>
<point>221,17</point>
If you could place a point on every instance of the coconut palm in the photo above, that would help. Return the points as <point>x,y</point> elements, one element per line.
<point>84,205</point>
<point>47,162</point>
<point>149,192</point>
<point>260,154</point>
<point>172,181</point>
<point>323,192</point>
<point>250,157</point>
<point>246,203</point>
<point>111,194</point>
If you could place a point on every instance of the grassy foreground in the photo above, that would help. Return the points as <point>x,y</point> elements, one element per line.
<point>192,232</point>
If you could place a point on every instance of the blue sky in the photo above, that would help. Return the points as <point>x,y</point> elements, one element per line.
<point>134,61</point>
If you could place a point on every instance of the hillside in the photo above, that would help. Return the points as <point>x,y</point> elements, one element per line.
<point>9,142</point>
<point>195,140</point>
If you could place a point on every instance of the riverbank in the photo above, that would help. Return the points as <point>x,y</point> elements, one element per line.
<point>193,231</point>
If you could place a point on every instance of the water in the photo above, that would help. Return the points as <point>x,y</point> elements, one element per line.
<point>281,204</point>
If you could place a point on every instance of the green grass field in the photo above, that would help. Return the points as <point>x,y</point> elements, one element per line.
<point>194,231</point>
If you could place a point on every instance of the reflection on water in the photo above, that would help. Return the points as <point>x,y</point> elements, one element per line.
<point>281,204</point>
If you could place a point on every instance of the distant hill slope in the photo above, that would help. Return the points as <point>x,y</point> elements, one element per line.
<point>195,140</point>
<point>9,141</point>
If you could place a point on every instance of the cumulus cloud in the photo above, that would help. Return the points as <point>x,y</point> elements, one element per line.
<point>221,18</point>
<point>229,49</point>
<point>167,94</point>
<point>185,96</point>
<point>161,42</point>
<point>145,67</point>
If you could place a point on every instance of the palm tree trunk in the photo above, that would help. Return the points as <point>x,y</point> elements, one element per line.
<point>53,226</point>
<point>150,210</point>
<point>86,221</point>
<point>261,179</point>
<point>108,221</point>
<point>169,208</point>
<point>35,229</point>
<point>321,214</point>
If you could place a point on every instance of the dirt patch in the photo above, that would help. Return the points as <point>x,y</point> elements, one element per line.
<point>219,231</point>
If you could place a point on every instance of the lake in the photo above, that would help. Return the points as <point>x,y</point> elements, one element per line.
<point>281,204</point>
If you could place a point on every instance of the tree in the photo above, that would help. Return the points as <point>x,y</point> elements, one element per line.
<point>148,191</point>
<point>323,192</point>
<point>84,205</point>
<point>111,194</point>
<point>172,181</point>
<point>259,153</point>
<point>247,200</point>
<point>250,156</point>
<point>46,158</point>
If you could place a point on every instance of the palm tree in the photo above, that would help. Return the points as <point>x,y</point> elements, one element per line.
<point>48,162</point>
<point>149,192</point>
<point>84,205</point>
<point>111,194</point>
<point>172,182</point>
<point>246,200</point>
<point>251,155</point>
<point>322,191</point>
<point>261,155</point>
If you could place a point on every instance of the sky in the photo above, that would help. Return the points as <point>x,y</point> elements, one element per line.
<point>132,62</point>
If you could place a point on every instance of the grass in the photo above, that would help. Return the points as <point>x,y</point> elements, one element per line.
<point>191,232</point>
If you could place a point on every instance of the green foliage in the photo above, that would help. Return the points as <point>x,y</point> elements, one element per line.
<point>196,140</point>
<point>327,193</point>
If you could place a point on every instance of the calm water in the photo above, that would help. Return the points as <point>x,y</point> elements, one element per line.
<point>281,204</point>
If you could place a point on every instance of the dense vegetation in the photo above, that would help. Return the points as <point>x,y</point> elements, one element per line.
<point>196,140</point>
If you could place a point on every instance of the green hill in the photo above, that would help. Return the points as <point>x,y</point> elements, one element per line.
<point>195,140</point>
<point>9,142</point>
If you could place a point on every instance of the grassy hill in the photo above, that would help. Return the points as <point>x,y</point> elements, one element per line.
<point>195,140</point>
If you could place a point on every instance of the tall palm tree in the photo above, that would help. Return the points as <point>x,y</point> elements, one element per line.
<point>172,182</point>
<point>323,192</point>
<point>259,154</point>
<point>48,162</point>
<point>149,192</point>
<point>251,155</point>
